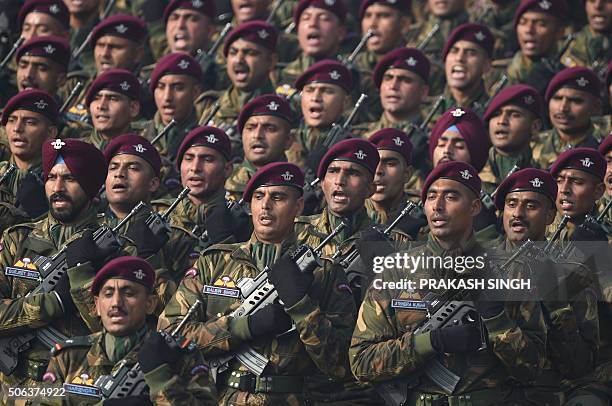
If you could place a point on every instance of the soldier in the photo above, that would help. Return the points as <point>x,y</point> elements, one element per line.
<point>175,84</point>
<point>265,124</point>
<point>84,16</point>
<point>384,344</point>
<point>73,172</point>
<point>605,149</point>
<point>42,63</point>
<point>326,88</point>
<point>124,294</point>
<point>250,50</point>
<point>318,302</point>
<point>113,101</point>
<point>203,161</point>
<point>573,98</point>
<point>30,119</point>
<point>513,117</point>
<point>43,17</point>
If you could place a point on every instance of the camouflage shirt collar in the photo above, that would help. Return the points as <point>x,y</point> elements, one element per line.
<point>502,164</point>
<point>434,245</point>
<point>263,254</point>
<point>117,348</point>
<point>196,213</point>
<point>356,222</point>
<point>59,233</point>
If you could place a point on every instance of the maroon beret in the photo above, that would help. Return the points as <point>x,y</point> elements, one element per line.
<point>576,78</point>
<point>34,100</point>
<point>133,144</point>
<point>557,8</point>
<point>85,162</point>
<point>523,96</point>
<point>470,127</point>
<point>133,269</point>
<point>587,160</point>
<point>606,145</point>
<point>121,25</point>
<point>403,58</point>
<point>326,71</point>
<point>394,140</point>
<point>355,150</point>
<point>275,174</point>
<point>477,33</point>
<point>177,63</point>
<point>530,180</point>
<point>258,32</point>
<point>205,136</point>
<point>55,8</point>
<point>118,80</point>
<point>455,170</point>
<point>335,6</point>
<point>206,7</point>
<point>266,105</point>
<point>403,6</point>
<point>49,46</point>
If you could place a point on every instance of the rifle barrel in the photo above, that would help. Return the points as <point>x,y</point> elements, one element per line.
<point>164,131</point>
<point>599,218</point>
<point>327,239</point>
<point>351,116</point>
<point>8,56</point>
<point>431,113</point>
<point>405,211</point>
<point>129,216</point>
<point>191,310</point>
<point>73,93</point>
<point>176,201</point>
<point>369,34</point>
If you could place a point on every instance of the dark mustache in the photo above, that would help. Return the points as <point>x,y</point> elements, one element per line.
<point>59,196</point>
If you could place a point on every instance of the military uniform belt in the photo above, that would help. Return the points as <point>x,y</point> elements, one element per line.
<point>248,382</point>
<point>481,397</point>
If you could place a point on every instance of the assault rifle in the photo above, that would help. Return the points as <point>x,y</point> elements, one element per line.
<point>164,131</point>
<point>9,171</point>
<point>158,223</point>
<point>488,200</point>
<point>434,30</point>
<point>207,59</point>
<point>73,94</point>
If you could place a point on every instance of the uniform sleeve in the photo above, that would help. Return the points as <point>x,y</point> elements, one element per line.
<point>81,278</point>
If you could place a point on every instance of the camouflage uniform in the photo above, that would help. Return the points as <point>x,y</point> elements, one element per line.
<point>92,136</point>
<point>9,214</point>
<point>77,37</point>
<point>77,110</point>
<point>306,140</point>
<point>521,66</point>
<point>323,319</point>
<point>385,216</point>
<point>548,145</point>
<point>384,347</point>
<point>588,49</point>
<point>236,183</point>
<point>497,167</point>
<point>475,102</point>
<point>499,17</point>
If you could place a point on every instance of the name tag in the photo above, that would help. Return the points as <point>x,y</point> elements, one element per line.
<point>83,390</point>
<point>221,291</point>
<point>408,304</point>
<point>21,273</point>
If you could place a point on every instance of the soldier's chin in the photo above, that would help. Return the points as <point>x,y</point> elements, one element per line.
<point>64,215</point>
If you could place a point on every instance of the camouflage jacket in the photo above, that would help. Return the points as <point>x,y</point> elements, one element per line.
<point>588,49</point>
<point>497,167</point>
<point>9,213</point>
<point>385,216</point>
<point>323,319</point>
<point>92,136</point>
<point>548,145</point>
<point>306,139</point>
<point>476,101</point>
<point>236,183</point>
<point>77,110</point>
<point>499,17</point>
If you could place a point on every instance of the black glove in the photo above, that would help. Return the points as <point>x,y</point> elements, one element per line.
<point>142,400</point>
<point>313,198</point>
<point>589,231</point>
<point>290,282</point>
<point>409,224</point>
<point>456,339</point>
<point>542,73</point>
<point>219,223</point>
<point>484,219</point>
<point>31,196</point>
<point>271,320</point>
<point>147,242</point>
<point>62,288</point>
<point>314,158</point>
<point>372,243</point>
<point>84,249</point>
<point>159,349</point>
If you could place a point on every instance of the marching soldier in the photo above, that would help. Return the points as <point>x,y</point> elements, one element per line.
<point>265,124</point>
<point>573,98</point>
<point>125,297</point>
<point>513,118</point>
<point>42,63</point>
<point>318,302</point>
<point>44,17</point>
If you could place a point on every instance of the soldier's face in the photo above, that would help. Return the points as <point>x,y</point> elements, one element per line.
<point>346,186</point>
<point>450,208</point>
<point>265,139</point>
<point>446,8</point>
<point>36,24</point>
<point>451,147</point>
<point>188,30</point>
<point>391,174</point>
<point>599,14</point>
<point>526,215</point>
<point>578,192</point>
<point>386,22</point>
<point>465,64</point>
<point>116,52</point>
<point>511,126</point>
<point>174,97</point>
<point>537,33</point>
<point>82,7</point>
<point>570,110</point>
<point>402,92</point>
<point>129,180</point>
<point>249,64</point>
<point>247,10</point>
<point>26,132</point>
<point>111,112</point>
<point>319,32</point>
<point>323,104</point>
<point>274,208</point>
<point>123,306</point>
<point>204,170</point>
<point>608,178</point>
<point>67,199</point>
<point>38,72</point>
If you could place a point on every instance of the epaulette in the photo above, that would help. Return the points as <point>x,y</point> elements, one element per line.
<point>221,247</point>
<point>22,225</point>
<point>140,125</point>
<point>79,341</point>
<point>209,94</point>
<point>307,219</point>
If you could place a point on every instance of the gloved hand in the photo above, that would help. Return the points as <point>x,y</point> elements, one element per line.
<point>219,223</point>
<point>147,242</point>
<point>409,224</point>
<point>142,400</point>
<point>314,158</point>
<point>31,196</point>
<point>542,73</point>
<point>84,249</point>
<point>290,282</point>
<point>271,320</point>
<point>589,231</point>
<point>62,288</point>
<point>156,350</point>
<point>456,339</point>
<point>372,243</point>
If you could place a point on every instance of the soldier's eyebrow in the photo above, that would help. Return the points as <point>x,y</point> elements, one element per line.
<point>390,159</point>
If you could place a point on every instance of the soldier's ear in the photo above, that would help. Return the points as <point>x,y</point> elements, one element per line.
<point>139,54</point>
<point>154,184</point>
<point>299,206</point>
<point>600,188</point>
<point>551,213</point>
<point>475,207</point>
<point>134,108</point>
<point>151,302</point>
<point>536,125</point>
<point>97,307</point>
<point>53,132</point>
<point>408,173</point>
<point>61,80</point>
<point>228,168</point>
<point>405,24</point>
